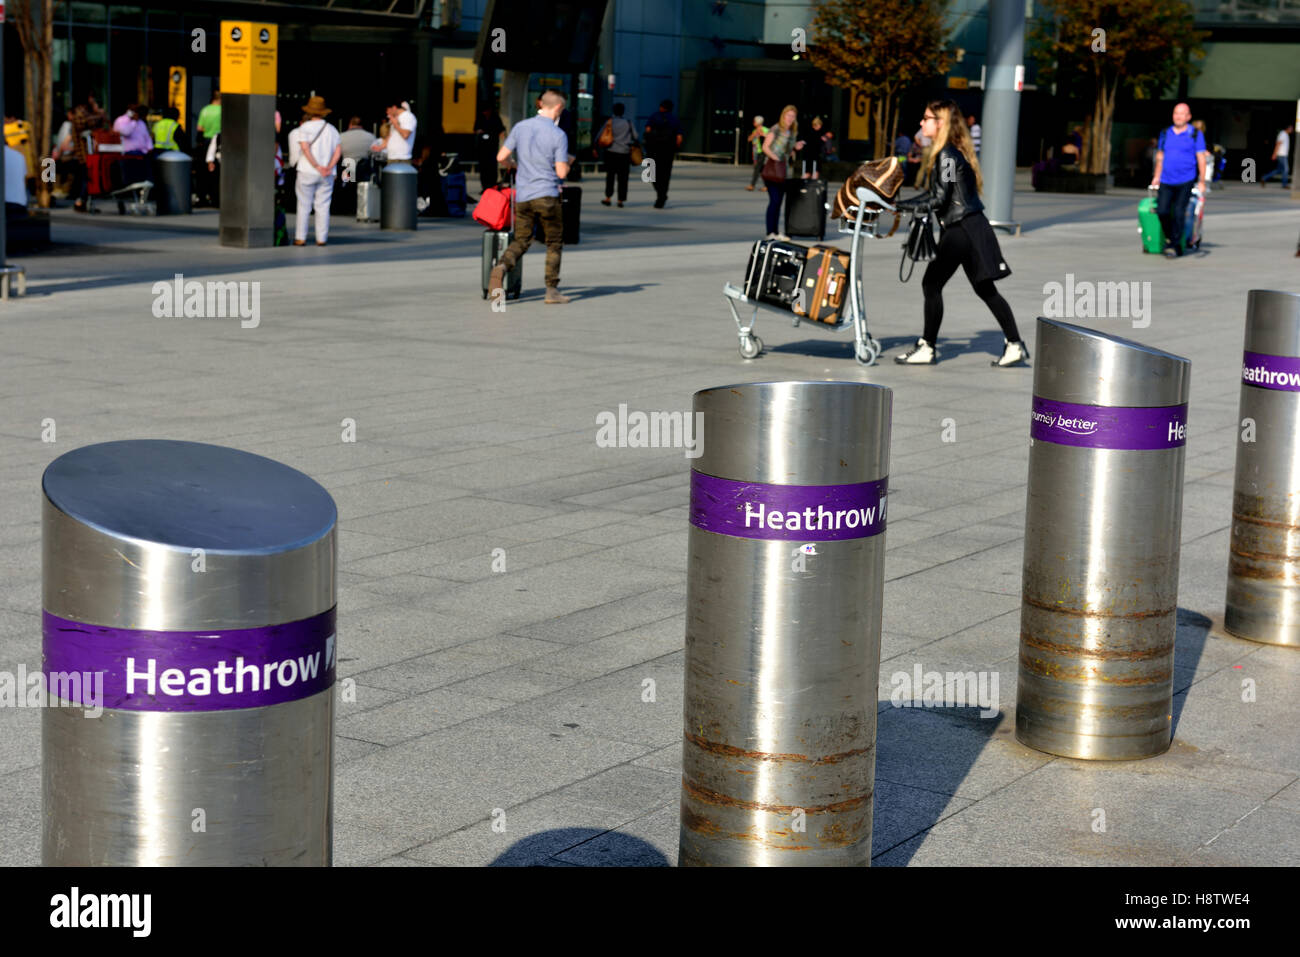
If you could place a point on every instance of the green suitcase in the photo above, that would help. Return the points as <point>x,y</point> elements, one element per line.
<point>1153,237</point>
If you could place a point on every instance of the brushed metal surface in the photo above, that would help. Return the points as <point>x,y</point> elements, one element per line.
<point>121,521</point>
<point>778,759</point>
<point>123,789</point>
<point>795,433</point>
<point>1075,364</point>
<point>1263,594</point>
<point>1100,580</point>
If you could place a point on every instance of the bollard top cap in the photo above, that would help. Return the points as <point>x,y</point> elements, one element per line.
<point>1088,367</point>
<point>795,433</point>
<point>1273,322</point>
<point>190,495</point>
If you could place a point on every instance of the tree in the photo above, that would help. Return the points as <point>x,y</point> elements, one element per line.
<point>1093,49</point>
<point>880,48</point>
<point>34,20</point>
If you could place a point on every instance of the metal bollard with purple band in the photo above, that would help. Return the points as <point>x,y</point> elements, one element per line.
<point>189,658</point>
<point>1263,599</point>
<point>1098,616</point>
<point>784,594</point>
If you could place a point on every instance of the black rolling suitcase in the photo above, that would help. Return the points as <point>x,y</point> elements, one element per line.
<point>805,208</point>
<point>571,210</point>
<point>775,272</point>
<point>494,246</point>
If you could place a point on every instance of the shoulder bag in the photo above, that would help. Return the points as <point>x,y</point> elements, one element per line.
<point>920,245</point>
<point>606,137</point>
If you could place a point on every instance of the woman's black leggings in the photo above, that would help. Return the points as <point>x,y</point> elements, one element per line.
<point>956,249</point>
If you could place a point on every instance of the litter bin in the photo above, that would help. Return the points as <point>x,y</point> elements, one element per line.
<point>1263,602</point>
<point>173,192</point>
<point>189,656</point>
<point>399,189</point>
<point>784,590</point>
<point>1108,430</point>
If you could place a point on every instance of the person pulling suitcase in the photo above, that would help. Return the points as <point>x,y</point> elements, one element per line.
<point>542,156</point>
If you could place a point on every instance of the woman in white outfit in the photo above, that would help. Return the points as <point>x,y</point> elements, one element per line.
<point>314,151</point>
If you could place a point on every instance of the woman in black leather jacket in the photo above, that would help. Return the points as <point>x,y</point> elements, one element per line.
<point>967,239</point>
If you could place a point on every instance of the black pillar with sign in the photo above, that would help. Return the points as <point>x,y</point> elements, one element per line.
<point>248,68</point>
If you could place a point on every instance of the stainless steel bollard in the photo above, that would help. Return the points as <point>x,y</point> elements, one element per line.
<point>1263,601</point>
<point>191,589</point>
<point>1102,524</point>
<point>784,592</point>
<point>397,196</point>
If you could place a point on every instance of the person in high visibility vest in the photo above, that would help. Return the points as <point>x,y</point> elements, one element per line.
<point>164,131</point>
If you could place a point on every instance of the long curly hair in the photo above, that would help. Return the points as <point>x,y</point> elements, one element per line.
<point>952,130</point>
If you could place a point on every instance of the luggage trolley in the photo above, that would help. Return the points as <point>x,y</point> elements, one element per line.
<point>866,221</point>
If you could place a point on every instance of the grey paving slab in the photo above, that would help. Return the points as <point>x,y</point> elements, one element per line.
<point>614,706</point>
<point>601,656</point>
<point>20,819</point>
<point>649,841</point>
<point>414,716</point>
<point>513,683</point>
<point>1061,804</point>
<point>610,617</point>
<point>466,660</point>
<point>410,793</point>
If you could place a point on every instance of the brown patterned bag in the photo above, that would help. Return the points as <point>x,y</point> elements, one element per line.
<point>884,176</point>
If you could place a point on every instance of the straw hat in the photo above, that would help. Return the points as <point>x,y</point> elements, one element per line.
<point>316,107</point>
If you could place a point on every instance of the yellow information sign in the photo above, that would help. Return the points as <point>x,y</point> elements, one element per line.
<point>177,80</point>
<point>459,94</point>
<point>248,55</point>
<point>859,115</point>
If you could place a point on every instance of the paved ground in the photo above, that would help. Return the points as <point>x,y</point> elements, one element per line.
<point>522,691</point>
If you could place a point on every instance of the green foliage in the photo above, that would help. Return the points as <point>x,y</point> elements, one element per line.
<point>1092,50</point>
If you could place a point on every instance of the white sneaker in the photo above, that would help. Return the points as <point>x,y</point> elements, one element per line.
<point>921,354</point>
<point>782,237</point>
<point>1013,353</point>
<point>770,236</point>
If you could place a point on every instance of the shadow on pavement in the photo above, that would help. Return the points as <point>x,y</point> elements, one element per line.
<point>582,846</point>
<point>922,757</point>
<point>1189,645</point>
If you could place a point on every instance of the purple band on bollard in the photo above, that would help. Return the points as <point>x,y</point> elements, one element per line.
<point>1104,427</point>
<point>1263,371</point>
<point>193,670</point>
<point>788,513</point>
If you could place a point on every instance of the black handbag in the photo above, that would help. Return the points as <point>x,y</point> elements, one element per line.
<point>920,245</point>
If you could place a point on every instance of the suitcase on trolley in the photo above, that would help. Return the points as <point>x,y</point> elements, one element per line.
<point>825,286</point>
<point>494,246</point>
<point>805,208</point>
<point>775,273</point>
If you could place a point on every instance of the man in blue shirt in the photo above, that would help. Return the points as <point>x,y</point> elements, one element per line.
<point>1180,164</point>
<point>542,157</point>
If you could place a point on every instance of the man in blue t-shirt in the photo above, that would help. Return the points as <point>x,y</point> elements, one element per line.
<point>1180,165</point>
<point>542,157</point>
